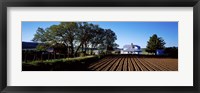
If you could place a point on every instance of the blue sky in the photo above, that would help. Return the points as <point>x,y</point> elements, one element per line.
<point>137,33</point>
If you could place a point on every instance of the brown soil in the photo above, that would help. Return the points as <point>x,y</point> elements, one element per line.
<point>135,63</point>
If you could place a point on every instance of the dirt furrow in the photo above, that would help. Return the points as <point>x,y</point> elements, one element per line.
<point>130,65</point>
<point>161,63</point>
<point>115,65</point>
<point>99,62</point>
<point>149,68</point>
<point>153,66</point>
<point>135,65</point>
<point>104,65</point>
<point>125,66</point>
<point>120,66</point>
<point>157,64</point>
<point>109,65</point>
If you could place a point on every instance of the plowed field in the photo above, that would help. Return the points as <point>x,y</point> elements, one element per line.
<point>135,63</point>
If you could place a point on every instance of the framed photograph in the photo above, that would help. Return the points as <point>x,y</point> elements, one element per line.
<point>99,46</point>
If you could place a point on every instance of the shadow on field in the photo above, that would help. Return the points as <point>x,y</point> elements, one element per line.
<point>78,65</point>
<point>58,66</point>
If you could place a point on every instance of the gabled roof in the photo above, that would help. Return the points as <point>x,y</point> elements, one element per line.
<point>131,48</point>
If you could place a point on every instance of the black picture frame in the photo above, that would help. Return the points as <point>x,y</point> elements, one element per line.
<point>100,3</point>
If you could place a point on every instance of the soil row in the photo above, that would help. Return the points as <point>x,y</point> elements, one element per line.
<point>134,63</point>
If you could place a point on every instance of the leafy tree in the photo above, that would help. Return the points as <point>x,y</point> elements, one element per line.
<point>40,35</point>
<point>98,38</point>
<point>110,38</point>
<point>84,34</point>
<point>155,43</point>
<point>41,48</point>
<point>64,33</point>
<point>76,35</point>
<point>69,34</point>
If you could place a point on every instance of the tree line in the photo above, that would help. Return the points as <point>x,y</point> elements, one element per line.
<point>75,37</point>
<point>156,43</point>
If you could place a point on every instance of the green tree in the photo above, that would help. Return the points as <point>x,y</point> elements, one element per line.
<point>84,34</point>
<point>64,33</point>
<point>155,43</point>
<point>98,37</point>
<point>110,38</point>
<point>41,48</point>
<point>69,34</point>
<point>40,35</point>
<point>76,36</point>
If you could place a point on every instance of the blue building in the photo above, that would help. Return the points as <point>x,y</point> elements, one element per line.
<point>159,52</point>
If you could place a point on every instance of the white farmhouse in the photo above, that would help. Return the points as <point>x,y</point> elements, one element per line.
<point>131,49</point>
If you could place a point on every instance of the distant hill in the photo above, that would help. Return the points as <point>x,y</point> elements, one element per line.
<point>29,45</point>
